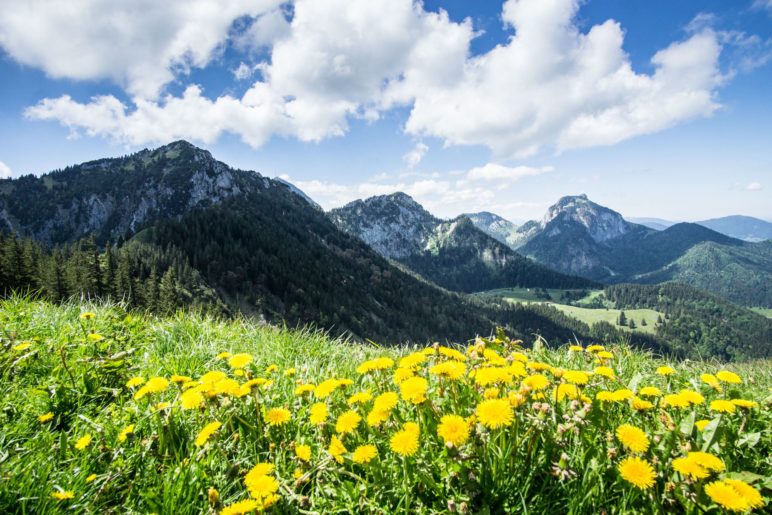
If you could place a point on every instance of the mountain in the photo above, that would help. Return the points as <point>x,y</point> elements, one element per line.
<point>577,236</point>
<point>741,227</point>
<point>495,226</point>
<point>652,223</point>
<point>742,274</point>
<point>173,227</point>
<point>454,254</point>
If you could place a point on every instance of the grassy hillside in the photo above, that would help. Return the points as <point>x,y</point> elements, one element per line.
<point>591,316</point>
<point>98,418</point>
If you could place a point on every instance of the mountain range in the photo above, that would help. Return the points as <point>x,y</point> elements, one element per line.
<point>173,227</point>
<point>577,236</point>
<point>745,228</point>
<point>161,226</point>
<point>454,254</point>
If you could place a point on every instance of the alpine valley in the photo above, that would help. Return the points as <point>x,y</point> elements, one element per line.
<point>174,228</point>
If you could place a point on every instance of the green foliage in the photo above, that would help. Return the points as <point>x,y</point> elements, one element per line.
<point>698,323</point>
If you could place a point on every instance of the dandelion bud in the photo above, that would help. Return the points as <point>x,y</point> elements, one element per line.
<point>611,453</point>
<point>463,508</point>
<point>451,506</point>
<point>214,497</point>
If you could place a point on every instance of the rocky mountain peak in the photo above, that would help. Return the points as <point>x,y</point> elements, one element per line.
<point>600,222</point>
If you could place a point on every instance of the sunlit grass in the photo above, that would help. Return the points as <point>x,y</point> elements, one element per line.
<point>494,426</point>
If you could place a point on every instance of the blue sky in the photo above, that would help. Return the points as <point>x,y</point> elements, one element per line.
<point>653,108</point>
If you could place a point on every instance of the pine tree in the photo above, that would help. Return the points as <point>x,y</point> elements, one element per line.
<point>168,297</point>
<point>622,318</point>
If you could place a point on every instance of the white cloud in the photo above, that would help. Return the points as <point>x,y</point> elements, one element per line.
<point>415,155</point>
<point>5,171</point>
<point>550,85</point>
<point>501,173</point>
<point>139,44</point>
<point>754,186</point>
<point>243,71</point>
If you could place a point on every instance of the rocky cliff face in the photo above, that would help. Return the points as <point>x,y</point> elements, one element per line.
<point>496,226</point>
<point>395,225</point>
<point>601,223</point>
<point>113,198</point>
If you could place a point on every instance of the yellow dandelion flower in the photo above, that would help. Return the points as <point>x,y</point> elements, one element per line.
<point>153,385</point>
<point>413,390</point>
<point>95,337</point>
<point>726,496</point>
<point>385,401</point>
<point>495,413</point>
<point>206,433</point>
<point>537,366</point>
<point>63,496</point>
<point>289,372</point>
<point>487,376</point>
<point>364,453</point>
<point>595,348</point>
<point>402,374</point>
<point>374,365</point>
<point>261,486</point>
<point>536,382</point>
<point>604,354</point>
<point>576,348</point>
<point>224,355</point>
<point>303,452</point>
<point>325,388</point>
<point>239,360</point>
<point>212,377</point>
<point>690,468</point>
<point>493,357</point>
<point>347,422</point>
<point>405,441</point>
<point>241,507</point>
<point>91,478</point>
<point>707,460</point>
<point>650,391</point>
<point>621,395</point>
<point>702,424</point>
<point>564,390</point>
<point>637,472</point>
<point>135,381</point>
<point>318,413</point>
<point>604,396</point>
<point>191,399</point>
<point>641,404</point>
<point>606,372</point>
<point>304,388</point>
<point>83,442</point>
<point>665,371</point>
<point>710,380</point>
<point>451,353</point>
<point>750,495</point>
<point>632,438</point>
<point>22,346</point>
<point>87,315</point>
<point>176,378</point>
<point>277,416</point>
<point>728,377</point>
<point>675,400</point>
<point>519,357</point>
<point>125,432</point>
<point>337,449</point>
<point>722,406</point>
<point>692,397</point>
<point>577,377</point>
<point>45,417</point>
<point>453,429</point>
<point>452,369</point>
<point>743,403</point>
<point>377,417</point>
<point>360,398</point>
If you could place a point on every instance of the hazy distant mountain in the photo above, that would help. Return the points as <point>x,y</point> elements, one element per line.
<point>496,226</point>
<point>577,236</point>
<point>454,254</point>
<point>742,227</point>
<point>653,223</point>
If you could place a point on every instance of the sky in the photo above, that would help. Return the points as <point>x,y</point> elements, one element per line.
<point>653,108</point>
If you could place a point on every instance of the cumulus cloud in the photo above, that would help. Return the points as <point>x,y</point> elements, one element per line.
<point>501,173</point>
<point>550,85</point>
<point>415,155</point>
<point>754,186</point>
<point>5,171</point>
<point>141,44</point>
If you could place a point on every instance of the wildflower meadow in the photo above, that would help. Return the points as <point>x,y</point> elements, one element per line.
<point>106,411</point>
